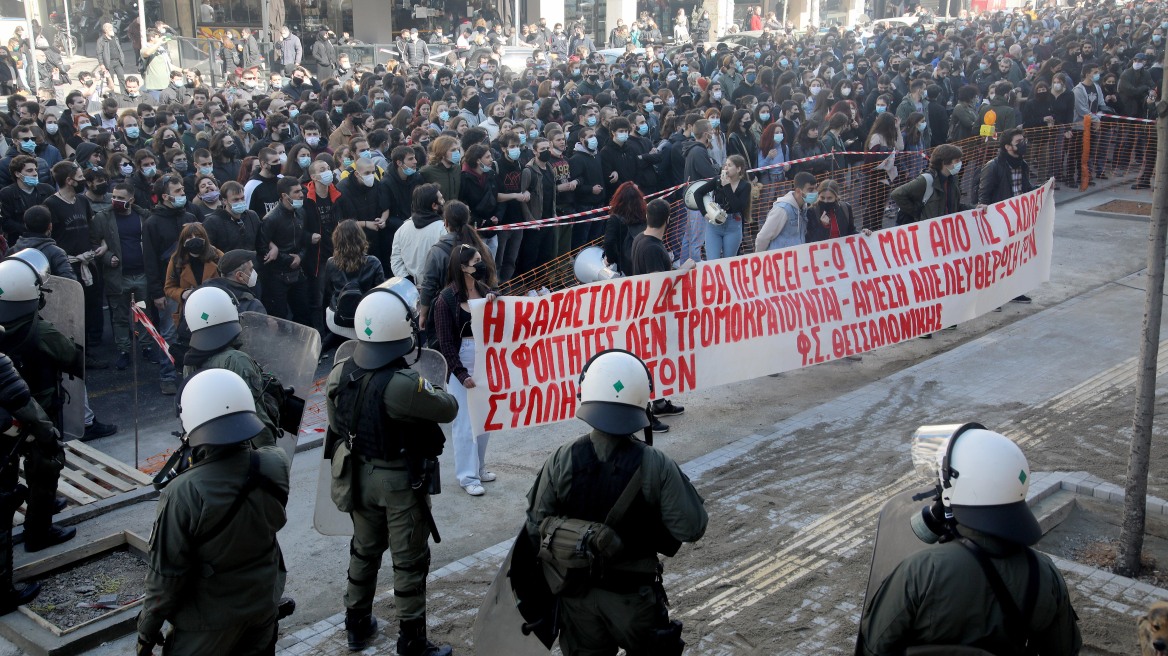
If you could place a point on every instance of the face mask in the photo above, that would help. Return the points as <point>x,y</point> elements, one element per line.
<point>181,167</point>
<point>52,128</point>
<point>149,171</point>
<point>648,106</point>
<point>845,92</point>
<point>252,278</point>
<point>480,271</point>
<point>276,168</point>
<point>591,120</point>
<point>28,146</point>
<point>210,196</point>
<point>283,158</point>
<point>715,122</point>
<point>778,137</point>
<point>149,122</point>
<point>955,169</point>
<point>456,157</point>
<point>815,90</point>
<point>1156,38</point>
<point>248,125</point>
<point>1095,78</point>
<point>546,156</point>
<point>1021,149</point>
<point>880,109</point>
<point>592,143</point>
<point>621,137</point>
<point>120,205</point>
<point>297,203</point>
<point>180,201</point>
<point>534,134</point>
<point>522,138</point>
<point>810,197</point>
<point>444,116</point>
<point>31,180</point>
<point>1094,30</point>
<point>488,84</point>
<point>312,141</point>
<point>684,68</point>
<point>367,180</point>
<point>643,128</point>
<point>238,208</point>
<point>326,177</point>
<point>750,78</point>
<point>82,126</point>
<point>717,95</point>
<point>922,125</point>
<point>293,112</point>
<point>851,66</point>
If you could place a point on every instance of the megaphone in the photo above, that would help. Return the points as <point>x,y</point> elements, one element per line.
<point>330,321</point>
<point>589,266</point>
<point>695,192</point>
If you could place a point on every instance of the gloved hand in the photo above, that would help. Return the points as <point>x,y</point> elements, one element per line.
<point>146,644</point>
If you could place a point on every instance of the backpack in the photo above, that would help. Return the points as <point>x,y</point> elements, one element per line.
<point>904,218</point>
<point>344,303</point>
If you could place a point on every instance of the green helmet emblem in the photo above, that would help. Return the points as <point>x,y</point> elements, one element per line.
<point>1022,476</point>
<point>618,386</point>
<point>368,330</point>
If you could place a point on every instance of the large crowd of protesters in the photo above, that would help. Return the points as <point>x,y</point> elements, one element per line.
<point>307,174</point>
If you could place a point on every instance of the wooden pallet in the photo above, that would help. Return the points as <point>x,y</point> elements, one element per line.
<point>90,475</point>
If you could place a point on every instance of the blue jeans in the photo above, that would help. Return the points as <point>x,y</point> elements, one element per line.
<point>693,235</point>
<point>724,240</point>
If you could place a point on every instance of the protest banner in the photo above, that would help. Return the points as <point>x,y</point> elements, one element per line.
<point>748,316</point>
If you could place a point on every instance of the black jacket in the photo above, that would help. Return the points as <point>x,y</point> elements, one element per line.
<point>997,179</point>
<point>13,203</point>
<point>397,194</point>
<point>159,239</point>
<point>587,169</point>
<point>479,193</point>
<point>228,234</point>
<point>371,275</point>
<point>284,227</point>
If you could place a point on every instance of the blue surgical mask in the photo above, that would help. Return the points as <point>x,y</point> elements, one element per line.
<point>367,154</point>
<point>764,116</point>
<point>880,109</point>
<point>149,171</point>
<point>591,120</point>
<point>132,132</point>
<point>621,137</point>
<point>304,161</point>
<point>592,143</point>
<point>648,106</point>
<point>643,128</point>
<point>810,197</point>
<point>534,134</point>
<point>238,208</point>
<point>248,126</point>
<point>522,138</point>
<point>513,153</point>
<point>750,78</point>
<point>297,203</point>
<point>784,62</point>
<point>409,170</point>
<point>486,169</point>
<point>444,115</point>
<point>456,157</point>
<point>347,162</point>
<point>683,68</point>
<point>31,180</point>
<point>1095,77</point>
<point>180,201</point>
<point>715,122</point>
<point>206,170</point>
<point>293,112</point>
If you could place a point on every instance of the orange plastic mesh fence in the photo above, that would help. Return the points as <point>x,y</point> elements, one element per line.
<point>1118,146</point>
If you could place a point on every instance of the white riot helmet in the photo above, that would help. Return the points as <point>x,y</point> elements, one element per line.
<point>386,323</point>
<point>217,408</point>
<point>615,387</point>
<point>21,277</point>
<point>213,317</point>
<point>984,478</point>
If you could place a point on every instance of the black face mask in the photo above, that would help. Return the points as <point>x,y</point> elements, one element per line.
<point>149,122</point>
<point>276,168</point>
<point>545,156</point>
<point>101,189</point>
<point>195,245</point>
<point>480,271</point>
<point>1021,149</point>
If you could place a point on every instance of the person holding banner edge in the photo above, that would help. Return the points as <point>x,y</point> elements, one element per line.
<point>1006,175</point>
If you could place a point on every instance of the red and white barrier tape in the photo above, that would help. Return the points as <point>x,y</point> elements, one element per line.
<point>567,219</point>
<point>141,318</point>
<point>1128,118</point>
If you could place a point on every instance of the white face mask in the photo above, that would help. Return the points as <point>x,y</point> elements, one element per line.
<point>252,278</point>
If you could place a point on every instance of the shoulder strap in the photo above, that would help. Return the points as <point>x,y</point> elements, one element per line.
<point>928,187</point>
<point>625,500</point>
<point>1017,620</point>
<point>254,479</point>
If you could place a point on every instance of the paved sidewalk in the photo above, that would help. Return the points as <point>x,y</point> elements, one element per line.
<point>818,480</point>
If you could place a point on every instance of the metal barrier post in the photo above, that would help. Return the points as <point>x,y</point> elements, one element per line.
<point>1085,155</point>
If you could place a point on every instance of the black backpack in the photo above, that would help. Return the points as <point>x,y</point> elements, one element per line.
<point>344,303</point>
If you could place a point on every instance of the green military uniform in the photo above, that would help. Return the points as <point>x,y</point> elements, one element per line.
<point>242,364</point>
<point>41,358</point>
<point>219,592</point>
<point>940,596</point>
<point>35,422</point>
<point>604,617</point>
<point>389,514</point>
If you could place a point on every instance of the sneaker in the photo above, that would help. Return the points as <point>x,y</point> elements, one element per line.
<point>1024,299</point>
<point>659,427</point>
<point>92,362</point>
<point>167,387</point>
<point>98,430</point>
<point>487,477</point>
<point>122,362</point>
<point>666,408</point>
<point>474,490</point>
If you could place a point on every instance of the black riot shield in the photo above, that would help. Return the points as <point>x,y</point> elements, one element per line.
<point>518,616</point>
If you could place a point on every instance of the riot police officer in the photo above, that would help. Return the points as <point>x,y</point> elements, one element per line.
<point>978,587</point>
<point>41,354</point>
<point>387,416</point>
<point>16,402</point>
<point>213,318</point>
<point>621,603</point>
<point>216,571</point>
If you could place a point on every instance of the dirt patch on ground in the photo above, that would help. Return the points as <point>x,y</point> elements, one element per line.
<point>1090,535</point>
<point>1125,207</point>
<point>80,594</point>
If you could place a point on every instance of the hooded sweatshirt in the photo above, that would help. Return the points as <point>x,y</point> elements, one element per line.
<point>412,243</point>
